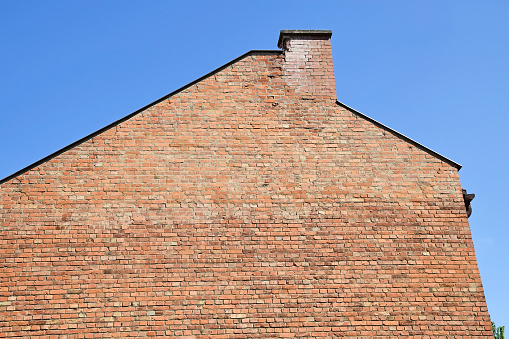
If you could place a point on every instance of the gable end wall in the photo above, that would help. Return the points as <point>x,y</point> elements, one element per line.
<point>240,207</point>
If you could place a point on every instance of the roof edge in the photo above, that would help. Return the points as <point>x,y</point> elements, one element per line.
<point>401,136</point>
<point>129,116</point>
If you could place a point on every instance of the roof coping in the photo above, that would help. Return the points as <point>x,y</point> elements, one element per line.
<point>401,136</point>
<point>286,33</point>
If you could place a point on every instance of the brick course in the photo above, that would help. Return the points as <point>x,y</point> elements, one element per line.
<point>248,205</point>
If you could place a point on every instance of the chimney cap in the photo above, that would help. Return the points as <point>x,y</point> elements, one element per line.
<point>285,33</point>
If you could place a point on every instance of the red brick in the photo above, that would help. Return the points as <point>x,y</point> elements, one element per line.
<point>247,205</point>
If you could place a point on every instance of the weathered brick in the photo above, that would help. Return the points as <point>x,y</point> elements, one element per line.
<point>247,205</point>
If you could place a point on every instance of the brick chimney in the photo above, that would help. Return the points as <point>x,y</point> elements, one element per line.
<point>308,62</point>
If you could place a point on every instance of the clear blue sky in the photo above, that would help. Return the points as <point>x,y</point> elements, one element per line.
<point>436,71</point>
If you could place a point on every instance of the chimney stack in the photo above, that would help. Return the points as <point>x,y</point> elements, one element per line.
<point>308,62</point>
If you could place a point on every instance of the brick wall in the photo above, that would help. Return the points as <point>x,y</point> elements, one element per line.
<point>245,206</point>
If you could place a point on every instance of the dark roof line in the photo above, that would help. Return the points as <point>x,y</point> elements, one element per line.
<point>127,117</point>
<point>404,137</point>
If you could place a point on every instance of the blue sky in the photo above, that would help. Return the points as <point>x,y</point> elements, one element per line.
<point>436,71</point>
